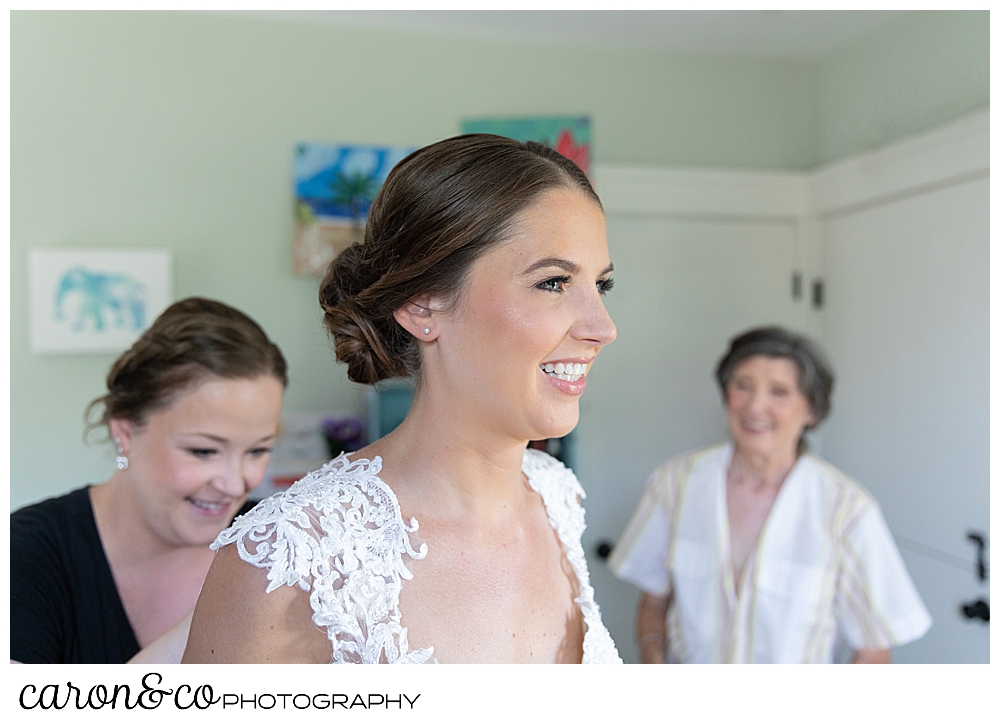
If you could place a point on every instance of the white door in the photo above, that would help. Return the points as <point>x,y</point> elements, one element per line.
<point>907,328</point>
<point>683,289</point>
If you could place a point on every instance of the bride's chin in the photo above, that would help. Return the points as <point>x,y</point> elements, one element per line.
<point>559,427</point>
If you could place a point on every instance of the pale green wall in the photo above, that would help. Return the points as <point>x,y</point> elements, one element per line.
<point>176,130</point>
<point>919,72</point>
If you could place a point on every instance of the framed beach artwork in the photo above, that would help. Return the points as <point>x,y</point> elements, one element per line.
<point>569,135</point>
<point>334,186</point>
<point>95,300</point>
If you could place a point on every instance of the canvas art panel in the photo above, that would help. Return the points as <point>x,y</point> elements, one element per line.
<point>334,187</point>
<point>95,300</point>
<point>569,135</point>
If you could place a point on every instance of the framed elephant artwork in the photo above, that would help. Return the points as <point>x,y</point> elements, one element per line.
<point>95,300</point>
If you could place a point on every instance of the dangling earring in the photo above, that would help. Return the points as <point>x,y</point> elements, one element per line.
<point>427,330</point>
<point>121,462</point>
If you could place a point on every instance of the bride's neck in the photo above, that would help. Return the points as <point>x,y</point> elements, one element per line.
<point>458,461</point>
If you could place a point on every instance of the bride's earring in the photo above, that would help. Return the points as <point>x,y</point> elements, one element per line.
<point>121,462</point>
<point>427,330</point>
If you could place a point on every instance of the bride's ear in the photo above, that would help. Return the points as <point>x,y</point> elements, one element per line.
<point>418,318</point>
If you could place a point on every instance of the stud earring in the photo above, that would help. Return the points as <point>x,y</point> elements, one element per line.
<point>427,330</point>
<point>121,462</point>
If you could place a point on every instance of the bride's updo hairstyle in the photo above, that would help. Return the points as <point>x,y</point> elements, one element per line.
<point>440,209</point>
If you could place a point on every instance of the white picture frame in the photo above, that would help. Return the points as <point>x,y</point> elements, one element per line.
<point>95,300</point>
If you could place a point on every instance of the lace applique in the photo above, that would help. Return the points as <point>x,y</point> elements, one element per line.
<point>339,534</point>
<point>561,492</point>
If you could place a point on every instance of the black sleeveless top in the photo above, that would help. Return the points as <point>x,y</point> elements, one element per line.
<point>64,605</point>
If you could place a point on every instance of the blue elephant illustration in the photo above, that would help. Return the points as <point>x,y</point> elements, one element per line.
<point>101,299</point>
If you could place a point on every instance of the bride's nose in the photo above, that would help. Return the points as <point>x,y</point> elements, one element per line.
<point>595,323</point>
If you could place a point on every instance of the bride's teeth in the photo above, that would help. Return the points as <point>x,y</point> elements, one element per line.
<point>569,371</point>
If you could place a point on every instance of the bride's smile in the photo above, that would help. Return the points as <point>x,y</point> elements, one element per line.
<point>514,350</point>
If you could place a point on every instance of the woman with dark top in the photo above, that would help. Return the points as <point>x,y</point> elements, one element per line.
<point>481,275</point>
<point>110,573</point>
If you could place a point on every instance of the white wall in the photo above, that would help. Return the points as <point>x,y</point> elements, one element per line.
<point>702,255</point>
<point>175,130</point>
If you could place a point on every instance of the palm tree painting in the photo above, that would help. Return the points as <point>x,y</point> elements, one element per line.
<point>355,190</point>
<point>334,187</point>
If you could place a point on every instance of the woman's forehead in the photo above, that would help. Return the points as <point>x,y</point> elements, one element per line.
<point>770,366</point>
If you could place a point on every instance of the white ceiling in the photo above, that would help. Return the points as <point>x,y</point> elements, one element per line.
<point>794,34</point>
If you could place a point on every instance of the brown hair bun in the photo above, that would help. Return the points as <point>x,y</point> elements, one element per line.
<point>438,211</point>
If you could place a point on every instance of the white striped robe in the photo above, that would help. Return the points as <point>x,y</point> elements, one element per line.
<point>825,578</point>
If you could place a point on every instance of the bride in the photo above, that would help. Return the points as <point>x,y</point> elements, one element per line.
<point>481,275</point>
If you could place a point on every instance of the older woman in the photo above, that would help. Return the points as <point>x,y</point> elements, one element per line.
<point>757,551</point>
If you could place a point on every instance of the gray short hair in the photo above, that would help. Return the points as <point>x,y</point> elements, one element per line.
<point>815,374</point>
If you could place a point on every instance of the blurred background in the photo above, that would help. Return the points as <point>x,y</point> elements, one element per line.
<point>828,171</point>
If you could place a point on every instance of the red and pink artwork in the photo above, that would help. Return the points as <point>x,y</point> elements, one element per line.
<point>569,135</point>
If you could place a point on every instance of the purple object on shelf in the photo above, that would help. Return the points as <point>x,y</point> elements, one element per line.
<point>344,434</point>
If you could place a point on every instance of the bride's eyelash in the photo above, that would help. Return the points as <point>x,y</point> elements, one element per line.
<point>554,284</point>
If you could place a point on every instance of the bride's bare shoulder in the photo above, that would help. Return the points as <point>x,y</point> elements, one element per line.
<point>236,621</point>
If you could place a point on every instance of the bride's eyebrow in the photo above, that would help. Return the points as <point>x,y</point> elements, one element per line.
<point>551,261</point>
<point>564,264</point>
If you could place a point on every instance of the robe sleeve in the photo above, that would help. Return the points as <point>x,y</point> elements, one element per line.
<point>877,604</point>
<point>640,557</point>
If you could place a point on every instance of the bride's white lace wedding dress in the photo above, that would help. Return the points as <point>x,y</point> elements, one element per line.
<point>338,533</point>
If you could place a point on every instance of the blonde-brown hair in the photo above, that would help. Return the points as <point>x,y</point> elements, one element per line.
<point>191,340</point>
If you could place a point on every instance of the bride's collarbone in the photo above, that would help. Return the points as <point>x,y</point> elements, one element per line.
<point>511,598</point>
